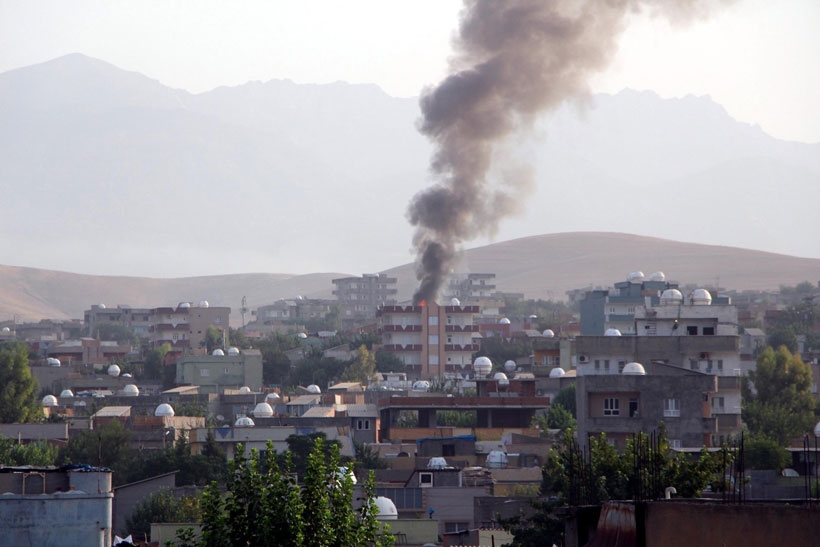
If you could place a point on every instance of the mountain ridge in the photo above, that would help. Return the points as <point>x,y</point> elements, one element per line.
<point>544,266</point>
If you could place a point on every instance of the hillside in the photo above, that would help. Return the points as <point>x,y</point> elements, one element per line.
<point>541,267</point>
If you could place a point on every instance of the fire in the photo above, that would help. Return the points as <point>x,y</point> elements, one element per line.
<point>423,303</point>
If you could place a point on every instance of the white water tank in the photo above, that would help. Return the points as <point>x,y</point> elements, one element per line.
<point>50,401</point>
<point>114,371</point>
<point>164,410</point>
<point>263,410</point>
<point>482,366</point>
<point>496,459</point>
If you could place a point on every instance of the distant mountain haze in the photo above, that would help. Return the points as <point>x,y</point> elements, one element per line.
<point>109,172</point>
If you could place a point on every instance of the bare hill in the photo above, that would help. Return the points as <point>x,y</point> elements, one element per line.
<point>540,267</point>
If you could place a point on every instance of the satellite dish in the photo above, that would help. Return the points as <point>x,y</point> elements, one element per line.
<point>220,418</point>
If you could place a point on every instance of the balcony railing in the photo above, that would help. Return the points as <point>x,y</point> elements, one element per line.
<point>402,347</point>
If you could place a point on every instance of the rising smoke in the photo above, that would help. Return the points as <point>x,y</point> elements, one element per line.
<point>514,59</point>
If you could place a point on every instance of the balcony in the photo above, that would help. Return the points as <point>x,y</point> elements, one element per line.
<point>461,328</point>
<point>401,328</point>
<point>466,347</point>
<point>728,383</point>
<point>402,347</point>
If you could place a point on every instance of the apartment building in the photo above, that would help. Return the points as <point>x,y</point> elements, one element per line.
<point>184,327</point>
<point>137,320</point>
<point>433,341</point>
<point>358,298</point>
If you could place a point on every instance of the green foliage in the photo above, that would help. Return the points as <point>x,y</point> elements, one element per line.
<point>108,446</point>
<point>367,458</point>
<point>566,398</point>
<point>363,367</point>
<point>560,418</point>
<point>500,350</point>
<point>155,361</point>
<point>160,507</point>
<point>264,506</point>
<point>456,418</point>
<point>237,338</point>
<point>315,369</point>
<point>777,399</point>
<point>199,470</point>
<point>764,453</point>
<point>549,313</point>
<point>37,453</point>
<point>18,388</point>
<point>387,361</point>
<point>213,339</point>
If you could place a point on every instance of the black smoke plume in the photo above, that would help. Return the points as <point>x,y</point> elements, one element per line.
<point>514,59</point>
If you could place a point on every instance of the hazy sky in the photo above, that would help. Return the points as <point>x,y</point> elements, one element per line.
<point>758,58</point>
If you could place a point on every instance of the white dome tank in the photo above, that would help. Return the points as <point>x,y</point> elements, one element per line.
<point>549,333</point>
<point>437,463</point>
<point>164,410</point>
<point>503,321</point>
<point>314,389</point>
<point>114,371</point>
<point>496,459</point>
<point>66,393</point>
<point>701,297</point>
<point>185,305</point>
<point>612,332</point>
<point>50,401</point>
<point>386,509</point>
<point>501,378</point>
<point>421,385</point>
<point>634,369</point>
<point>455,302</point>
<point>244,421</point>
<point>510,366</point>
<point>244,390</point>
<point>657,276</point>
<point>557,372</point>
<point>272,397</point>
<point>343,472</point>
<point>204,304</point>
<point>6,329</point>
<point>302,335</point>
<point>53,362</point>
<point>635,277</point>
<point>131,390</point>
<point>218,353</point>
<point>263,410</point>
<point>482,366</point>
<point>233,350</point>
<point>671,297</point>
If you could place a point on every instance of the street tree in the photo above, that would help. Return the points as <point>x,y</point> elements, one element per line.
<point>363,367</point>
<point>777,399</point>
<point>18,388</point>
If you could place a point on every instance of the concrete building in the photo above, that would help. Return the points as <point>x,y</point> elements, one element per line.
<point>477,289</point>
<point>603,309</point>
<point>137,320</point>
<point>55,506</point>
<point>87,351</point>
<point>639,398</point>
<point>184,327</point>
<point>214,373</point>
<point>432,341</point>
<point>358,298</point>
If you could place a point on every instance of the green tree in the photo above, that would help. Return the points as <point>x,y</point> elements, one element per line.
<point>237,338</point>
<point>363,367</point>
<point>777,399</point>
<point>762,452</point>
<point>155,361</point>
<point>275,364</point>
<point>387,361</point>
<point>108,446</point>
<point>37,453</point>
<point>213,339</point>
<point>560,418</point>
<point>264,506</point>
<point>161,506</point>
<point>566,398</point>
<point>18,388</point>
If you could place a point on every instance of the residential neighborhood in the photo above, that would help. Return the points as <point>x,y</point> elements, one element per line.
<point>452,406</point>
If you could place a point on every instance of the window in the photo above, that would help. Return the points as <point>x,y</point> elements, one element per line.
<point>693,364</point>
<point>606,365</point>
<point>432,320</point>
<point>454,527</point>
<point>675,444</point>
<point>432,339</point>
<point>433,360</point>
<point>621,365</point>
<point>204,373</point>
<point>425,480</point>
<point>597,364</point>
<point>671,408</point>
<point>692,330</point>
<point>708,331</point>
<point>363,425</point>
<point>717,403</point>
<point>448,450</point>
<point>720,364</point>
<point>612,406</point>
<point>449,339</point>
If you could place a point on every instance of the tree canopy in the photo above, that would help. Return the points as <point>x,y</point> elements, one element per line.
<point>264,505</point>
<point>18,388</point>
<point>777,399</point>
